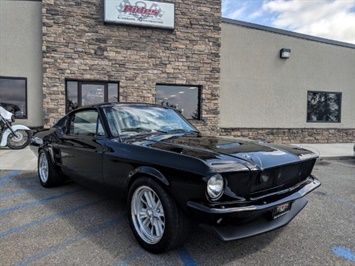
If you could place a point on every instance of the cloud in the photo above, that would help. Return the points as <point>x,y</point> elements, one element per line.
<point>328,19</point>
<point>331,19</point>
<point>234,9</point>
<point>245,10</point>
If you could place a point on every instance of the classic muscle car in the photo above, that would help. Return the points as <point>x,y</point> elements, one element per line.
<point>171,175</point>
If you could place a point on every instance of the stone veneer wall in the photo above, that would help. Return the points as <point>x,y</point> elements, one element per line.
<point>77,45</point>
<point>293,135</point>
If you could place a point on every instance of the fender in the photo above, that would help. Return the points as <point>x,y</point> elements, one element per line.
<point>152,172</point>
<point>7,132</point>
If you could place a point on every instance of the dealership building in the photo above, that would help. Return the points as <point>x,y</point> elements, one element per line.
<point>227,77</point>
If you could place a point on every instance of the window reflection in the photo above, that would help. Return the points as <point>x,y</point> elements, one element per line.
<point>72,95</point>
<point>113,92</point>
<point>92,93</point>
<point>185,99</point>
<point>81,93</point>
<point>13,95</point>
<point>323,106</point>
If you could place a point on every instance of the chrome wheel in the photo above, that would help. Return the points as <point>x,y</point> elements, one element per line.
<point>18,137</point>
<point>19,140</point>
<point>43,168</point>
<point>147,215</point>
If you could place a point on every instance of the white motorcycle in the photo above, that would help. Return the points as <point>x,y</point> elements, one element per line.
<point>14,137</point>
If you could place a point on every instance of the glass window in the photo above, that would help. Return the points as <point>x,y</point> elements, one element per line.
<point>127,120</point>
<point>81,93</point>
<point>323,106</point>
<point>84,123</point>
<point>13,95</point>
<point>113,92</point>
<point>185,99</point>
<point>72,98</point>
<point>92,93</point>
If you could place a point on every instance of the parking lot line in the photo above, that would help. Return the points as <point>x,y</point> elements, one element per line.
<point>186,257</point>
<point>68,242</point>
<point>346,253</point>
<point>7,177</point>
<point>48,218</point>
<point>131,257</point>
<point>11,183</point>
<point>19,192</point>
<point>334,198</point>
<point>3,211</point>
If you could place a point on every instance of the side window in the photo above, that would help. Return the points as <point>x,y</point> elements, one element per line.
<point>84,123</point>
<point>100,128</point>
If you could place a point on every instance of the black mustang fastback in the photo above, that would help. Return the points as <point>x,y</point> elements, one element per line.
<point>171,175</point>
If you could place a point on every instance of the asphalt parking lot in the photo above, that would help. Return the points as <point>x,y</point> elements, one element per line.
<point>72,225</point>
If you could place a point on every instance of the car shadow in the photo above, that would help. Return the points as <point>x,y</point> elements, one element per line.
<point>97,227</point>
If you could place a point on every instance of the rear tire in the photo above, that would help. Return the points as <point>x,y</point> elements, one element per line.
<point>20,140</point>
<point>47,174</point>
<point>157,222</point>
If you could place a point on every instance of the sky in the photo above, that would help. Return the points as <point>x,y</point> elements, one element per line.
<point>330,19</point>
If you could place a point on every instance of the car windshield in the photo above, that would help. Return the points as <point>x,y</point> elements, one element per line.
<point>142,119</point>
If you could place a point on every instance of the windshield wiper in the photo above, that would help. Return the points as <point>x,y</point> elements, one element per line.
<point>181,130</point>
<point>141,129</point>
<point>136,129</point>
<point>148,130</point>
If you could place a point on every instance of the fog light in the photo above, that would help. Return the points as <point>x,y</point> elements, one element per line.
<point>215,187</point>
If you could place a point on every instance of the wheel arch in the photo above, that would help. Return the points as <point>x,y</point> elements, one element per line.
<point>147,171</point>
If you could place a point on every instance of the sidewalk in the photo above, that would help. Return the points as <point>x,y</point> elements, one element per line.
<point>26,160</point>
<point>17,159</point>
<point>331,150</point>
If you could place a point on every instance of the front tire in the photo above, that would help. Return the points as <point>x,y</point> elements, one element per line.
<point>158,224</point>
<point>20,140</point>
<point>47,174</point>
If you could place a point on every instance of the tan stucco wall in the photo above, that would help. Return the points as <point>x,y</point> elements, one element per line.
<point>260,90</point>
<point>21,51</point>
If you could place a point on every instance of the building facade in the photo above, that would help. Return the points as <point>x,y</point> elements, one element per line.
<point>80,49</point>
<point>225,76</point>
<point>308,97</point>
<point>21,60</point>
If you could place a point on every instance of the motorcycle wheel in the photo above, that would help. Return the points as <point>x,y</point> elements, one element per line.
<point>20,140</point>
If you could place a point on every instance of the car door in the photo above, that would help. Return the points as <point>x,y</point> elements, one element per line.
<point>82,148</point>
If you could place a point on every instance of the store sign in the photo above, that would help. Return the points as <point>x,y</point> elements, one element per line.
<point>140,13</point>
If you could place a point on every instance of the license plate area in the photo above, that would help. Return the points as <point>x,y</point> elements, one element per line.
<point>281,210</point>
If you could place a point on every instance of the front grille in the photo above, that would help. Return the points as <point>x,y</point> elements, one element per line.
<point>279,178</point>
<point>240,182</point>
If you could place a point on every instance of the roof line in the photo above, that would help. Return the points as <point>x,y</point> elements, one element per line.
<point>286,32</point>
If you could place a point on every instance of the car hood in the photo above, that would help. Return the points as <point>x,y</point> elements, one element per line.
<point>215,149</point>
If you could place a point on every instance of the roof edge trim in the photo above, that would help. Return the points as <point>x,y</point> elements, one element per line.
<point>287,33</point>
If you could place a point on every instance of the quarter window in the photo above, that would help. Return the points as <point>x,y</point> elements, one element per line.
<point>86,123</point>
<point>13,95</point>
<point>186,99</point>
<point>323,106</point>
<point>81,93</point>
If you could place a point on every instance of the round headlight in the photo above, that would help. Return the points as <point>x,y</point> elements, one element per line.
<point>215,187</point>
